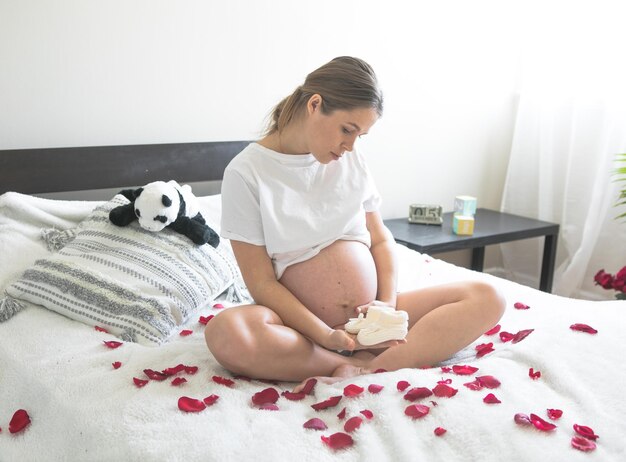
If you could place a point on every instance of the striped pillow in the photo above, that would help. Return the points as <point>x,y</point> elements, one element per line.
<point>139,285</point>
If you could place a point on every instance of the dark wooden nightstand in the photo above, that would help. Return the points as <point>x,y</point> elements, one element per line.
<point>491,227</point>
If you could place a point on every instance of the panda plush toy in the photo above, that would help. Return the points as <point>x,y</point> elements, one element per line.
<point>160,204</point>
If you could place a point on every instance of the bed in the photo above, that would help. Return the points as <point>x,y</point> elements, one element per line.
<point>89,401</point>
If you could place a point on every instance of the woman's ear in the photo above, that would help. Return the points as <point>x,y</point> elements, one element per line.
<point>314,104</point>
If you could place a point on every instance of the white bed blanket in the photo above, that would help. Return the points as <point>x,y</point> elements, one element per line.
<point>82,409</point>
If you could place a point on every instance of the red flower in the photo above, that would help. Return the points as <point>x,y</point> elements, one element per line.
<point>19,421</point>
<point>604,279</point>
<point>338,440</point>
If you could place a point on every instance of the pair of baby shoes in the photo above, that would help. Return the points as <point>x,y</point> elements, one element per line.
<point>380,324</point>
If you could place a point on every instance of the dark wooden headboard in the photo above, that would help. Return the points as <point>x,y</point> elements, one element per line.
<point>48,170</point>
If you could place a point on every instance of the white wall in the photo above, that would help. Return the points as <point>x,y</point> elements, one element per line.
<point>87,72</point>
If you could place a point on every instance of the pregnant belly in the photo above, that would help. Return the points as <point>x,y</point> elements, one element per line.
<point>335,281</point>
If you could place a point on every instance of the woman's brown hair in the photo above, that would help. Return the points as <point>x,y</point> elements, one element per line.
<point>344,83</point>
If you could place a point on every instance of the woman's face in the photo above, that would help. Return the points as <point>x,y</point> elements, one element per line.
<point>329,136</point>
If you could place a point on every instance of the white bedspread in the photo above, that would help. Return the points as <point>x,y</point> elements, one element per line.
<point>82,409</point>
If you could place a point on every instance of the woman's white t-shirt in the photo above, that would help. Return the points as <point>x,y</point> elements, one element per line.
<point>294,205</point>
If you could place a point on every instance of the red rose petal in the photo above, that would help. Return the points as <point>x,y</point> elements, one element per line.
<point>373,388</point>
<point>380,370</point>
<point>19,421</point>
<point>445,369</point>
<point>417,393</point>
<point>112,344</point>
<point>218,306</point>
<point>185,333</point>
<point>482,350</point>
<point>155,375</point>
<point>294,396</point>
<point>268,407</point>
<point>330,402</point>
<point>139,383</point>
<point>352,424</point>
<point>267,396</point>
<point>585,431</point>
<point>417,411</point>
<point>190,404</point>
<point>541,424</point>
<point>522,419</point>
<point>442,390</point>
<point>402,385</point>
<point>583,328</point>
<point>101,329</point>
<point>223,381</point>
<point>191,369</point>
<point>338,440</point>
<point>506,336</point>
<point>342,414</point>
<point>308,386</point>
<point>352,390</point>
<point>488,381</point>
<point>210,400</point>
<point>475,385</point>
<point>440,431</point>
<point>554,414</point>
<point>369,415</point>
<point>116,365</point>
<point>520,306</point>
<point>493,330</point>
<point>521,335</point>
<point>315,424</point>
<point>205,319</point>
<point>464,370</point>
<point>583,444</point>
<point>534,374</point>
<point>491,399</point>
<point>178,381</point>
<point>174,370</point>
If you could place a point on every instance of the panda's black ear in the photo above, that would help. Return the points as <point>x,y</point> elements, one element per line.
<point>137,192</point>
<point>166,200</point>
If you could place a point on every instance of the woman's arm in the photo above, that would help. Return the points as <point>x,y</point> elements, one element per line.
<point>258,274</point>
<point>383,251</point>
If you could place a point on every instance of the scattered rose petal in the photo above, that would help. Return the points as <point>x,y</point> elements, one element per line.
<point>494,330</point>
<point>491,399</point>
<point>585,431</point>
<point>442,390</point>
<point>342,414</point>
<point>267,396</point>
<point>155,375</point>
<point>541,424</point>
<point>191,370</point>
<point>112,344</point>
<point>417,393</point>
<point>101,329</point>
<point>338,440</point>
<point>464,370</point>
<point>369,415</point>
<point>520,306</point>
<point>485,348</point>
<point>210,400</point>
<point>445,382</point>
<point>380,370</point>
<point>417,411</point>
<point>116,365</point>
<point>139,382</point>
<point>268,407</point>
<point>19,421</point>
<point>174,370</point>
<point>294,396</point>
<point>521,335</point>
<point>402,385</point>
<point>475,385</point>
<point>506,336</point>
<point>583,328</point>
<point>522,419</point>
<point>583,444</point>
<point>534,374</point>
<point>488,381</point>
<point>218,306</point>
<point>308,386</point>
<point>185,332</point>
<point>330,402</point>
<point>178,381</point>
<point>205,319</point>
<point>315,424</point>
<point>554,414</point>
<point>190,404</point>
<point>373,388</point>
<point>223,381</point>
<point>445,369</point>
<point>352,424</point>
<point>440,431</point>
<point>352,390</point>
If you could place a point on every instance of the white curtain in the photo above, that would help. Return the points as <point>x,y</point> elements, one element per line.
<point>570,125</point>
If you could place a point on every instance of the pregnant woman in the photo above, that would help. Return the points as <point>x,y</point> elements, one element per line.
<point>301,210</point>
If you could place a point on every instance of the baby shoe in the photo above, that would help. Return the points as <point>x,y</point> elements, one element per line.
<point>354,325</point>
<point>380,333</point>
<point>382,323</point>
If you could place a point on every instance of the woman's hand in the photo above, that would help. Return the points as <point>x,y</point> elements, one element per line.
<point>340,340</point>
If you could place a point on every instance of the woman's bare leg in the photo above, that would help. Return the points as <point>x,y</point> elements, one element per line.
<point>442,320</point>
<point>251,340</point>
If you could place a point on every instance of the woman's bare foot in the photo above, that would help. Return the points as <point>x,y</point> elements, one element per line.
<point>344,371</point>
